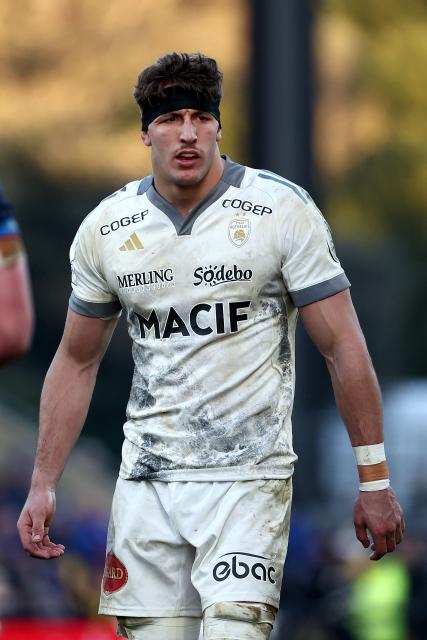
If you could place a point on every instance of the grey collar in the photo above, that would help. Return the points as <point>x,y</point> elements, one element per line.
<point>232,177</point>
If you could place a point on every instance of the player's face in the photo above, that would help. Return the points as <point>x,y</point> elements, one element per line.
<point>184,146</point>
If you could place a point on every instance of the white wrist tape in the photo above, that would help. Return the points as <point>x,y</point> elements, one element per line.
<point>369,453</point>
<point>372,465</point>
<point>374,485</point>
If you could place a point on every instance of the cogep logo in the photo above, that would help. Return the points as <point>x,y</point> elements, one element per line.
<point>123,222</point>
<point>241,569</point>
<point>247,205</point>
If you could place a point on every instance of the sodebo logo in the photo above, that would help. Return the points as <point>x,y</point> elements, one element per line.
<point>218,274</point>
<point>241,570</point>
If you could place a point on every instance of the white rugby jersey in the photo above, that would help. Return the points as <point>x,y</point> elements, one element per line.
<point>211,303</point>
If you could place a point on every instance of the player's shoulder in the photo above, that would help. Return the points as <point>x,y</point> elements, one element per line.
<point>129,190</point>
<point>116,200</point>
<point>276,185</point>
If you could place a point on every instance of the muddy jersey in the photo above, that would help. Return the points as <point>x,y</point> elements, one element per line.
<point>211,303</point>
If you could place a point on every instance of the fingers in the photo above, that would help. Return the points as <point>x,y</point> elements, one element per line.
<point>45,554</point>
<point>386,542</point>
<point>35,539</point>
<point>362,534</point>
<point>376,556</point>
<point>38,531</point>
<point>391,542</point>
<point>45,549</point>
<point>48,543</point>
<point>379,515</point>
<point>399,533</point>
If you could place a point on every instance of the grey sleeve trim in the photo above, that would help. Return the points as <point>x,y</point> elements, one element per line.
<point>287,183</point>
<point>104,310</point>
<point>320,291</point>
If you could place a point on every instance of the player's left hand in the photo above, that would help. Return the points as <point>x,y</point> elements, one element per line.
<point>380,514</point>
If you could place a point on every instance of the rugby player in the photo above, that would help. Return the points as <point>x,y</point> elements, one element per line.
<point>16,309</point>
<point>211,261</point>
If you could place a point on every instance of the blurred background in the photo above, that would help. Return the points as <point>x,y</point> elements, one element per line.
<point>331,95</point>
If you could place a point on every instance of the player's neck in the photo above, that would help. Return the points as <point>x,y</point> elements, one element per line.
<point>185,198</point>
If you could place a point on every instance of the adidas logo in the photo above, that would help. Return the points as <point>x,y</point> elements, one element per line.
<point>133,244</point>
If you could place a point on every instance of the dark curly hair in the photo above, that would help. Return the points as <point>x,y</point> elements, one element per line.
<point>191,71</point>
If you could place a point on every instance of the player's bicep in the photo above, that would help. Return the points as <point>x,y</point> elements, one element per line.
<point>86,339</point>
<point>332,323</point>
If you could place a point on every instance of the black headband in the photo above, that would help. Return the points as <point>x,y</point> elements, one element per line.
<point>177,98</point>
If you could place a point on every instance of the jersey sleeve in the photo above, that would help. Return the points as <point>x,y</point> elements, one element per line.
<point>91,295</point>
<point>310,267</point>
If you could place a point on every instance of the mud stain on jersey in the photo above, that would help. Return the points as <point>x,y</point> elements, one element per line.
<point>140,396</point>
<point>276,308</point>
<point>196,431</point>
<point>149,462</point>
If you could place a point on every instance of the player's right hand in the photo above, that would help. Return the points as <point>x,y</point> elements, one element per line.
<point>34,522</point>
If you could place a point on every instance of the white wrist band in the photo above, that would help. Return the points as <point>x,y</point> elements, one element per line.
<point>374,485</point>
<point>369,454</point>
<point>372,465</point>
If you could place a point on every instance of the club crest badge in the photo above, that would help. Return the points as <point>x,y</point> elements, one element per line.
<point>115,574</point>
<point>239,231</point>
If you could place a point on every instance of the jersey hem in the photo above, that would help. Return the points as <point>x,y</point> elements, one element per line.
<point>139,612</point>
<point>213,475</point>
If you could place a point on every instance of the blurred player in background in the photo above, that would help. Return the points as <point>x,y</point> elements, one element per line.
<point>211,262</point>
<point>16,309</point>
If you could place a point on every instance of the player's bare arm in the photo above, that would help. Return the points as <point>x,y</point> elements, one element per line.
<point>16,317</point>
<point>65,400</point>
<point>332,324</point>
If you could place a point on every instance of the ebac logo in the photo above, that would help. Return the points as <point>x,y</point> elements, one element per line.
<point>241,570</point>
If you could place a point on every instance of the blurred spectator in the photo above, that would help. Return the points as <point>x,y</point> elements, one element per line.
<point>69,589</point>
<point>414,554</point>
<point>16,310</point>
<point>379,601</point>
<point>330,590</point>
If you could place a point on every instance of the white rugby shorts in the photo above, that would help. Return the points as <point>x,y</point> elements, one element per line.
<point>175,548</point>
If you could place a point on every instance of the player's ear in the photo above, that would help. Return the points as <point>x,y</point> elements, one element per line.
<point>145,137</point>
<point>219,134</point>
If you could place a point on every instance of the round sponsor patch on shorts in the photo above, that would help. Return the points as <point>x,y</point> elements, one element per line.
<point>115,574</point>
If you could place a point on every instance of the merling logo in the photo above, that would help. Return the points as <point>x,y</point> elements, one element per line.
<point>154,279</point>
